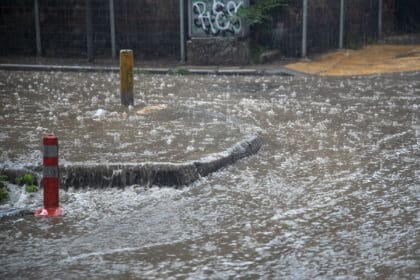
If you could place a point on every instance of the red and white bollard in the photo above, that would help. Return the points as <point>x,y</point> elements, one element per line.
<point>50,178</point>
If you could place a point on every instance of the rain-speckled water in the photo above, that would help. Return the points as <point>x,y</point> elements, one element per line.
<point>333,193</point>
<point>84,111</point>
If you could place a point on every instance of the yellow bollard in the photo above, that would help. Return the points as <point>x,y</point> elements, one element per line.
<point>126,77</point>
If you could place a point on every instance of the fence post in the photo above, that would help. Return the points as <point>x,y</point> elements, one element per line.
<point>89,30</point>
<point>112,24</point>
<point>182,29</point>
<point>189,11</point>
<point>380,11</point>
<point>341,35</point>
<point>37,29</point>
<point>304,27</point>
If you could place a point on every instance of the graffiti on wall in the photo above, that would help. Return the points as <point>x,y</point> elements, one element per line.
<point>216,17</point>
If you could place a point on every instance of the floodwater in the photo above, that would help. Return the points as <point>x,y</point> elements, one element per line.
<point>84,111</point>
<point>333,193</point>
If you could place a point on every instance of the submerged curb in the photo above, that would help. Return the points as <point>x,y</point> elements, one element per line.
<point>156,173</point>
<point>149,173</point>
<point>280,71</point>
<point>14,213</point>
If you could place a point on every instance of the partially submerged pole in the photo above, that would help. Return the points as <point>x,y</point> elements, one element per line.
<point>126,77</point>
<point>50,179</point>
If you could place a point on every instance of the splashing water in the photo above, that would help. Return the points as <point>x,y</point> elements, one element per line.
<point>332,194</point>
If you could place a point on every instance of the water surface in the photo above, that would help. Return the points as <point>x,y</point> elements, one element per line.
<point>334,191</point>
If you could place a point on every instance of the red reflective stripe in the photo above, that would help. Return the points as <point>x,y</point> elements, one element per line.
<point>51,192</point>
<point>50,161</point>
<point>50,140</point>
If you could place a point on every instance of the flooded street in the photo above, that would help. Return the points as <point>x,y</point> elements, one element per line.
<point>333,192</point>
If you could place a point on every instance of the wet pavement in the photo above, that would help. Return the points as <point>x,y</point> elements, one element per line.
<point>371,59</point>
<point>333,193</point>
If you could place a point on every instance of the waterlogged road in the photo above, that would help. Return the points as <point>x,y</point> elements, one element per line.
<point>334,191</point>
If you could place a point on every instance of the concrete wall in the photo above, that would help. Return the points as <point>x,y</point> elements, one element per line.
<point>218,51</point>
<point>218,36</point>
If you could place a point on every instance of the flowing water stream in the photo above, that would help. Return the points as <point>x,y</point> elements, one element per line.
<point>333,193</point>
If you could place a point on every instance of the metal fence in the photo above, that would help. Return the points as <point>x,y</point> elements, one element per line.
<point>94,28</point>
<point>159,28</point>
<point>311,26</point>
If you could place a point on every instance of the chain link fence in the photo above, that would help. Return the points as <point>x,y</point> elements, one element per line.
<point>363,22</point>
<point>99,28</point>
<point>67,28</point>
<point>360,26</point>
<point>17,31</point>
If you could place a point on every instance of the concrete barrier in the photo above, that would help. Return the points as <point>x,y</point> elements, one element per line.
<point>150,173</point>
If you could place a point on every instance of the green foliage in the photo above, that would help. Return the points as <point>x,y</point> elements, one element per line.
<point>353,41</point>
<point>31,188</point>
<point>19,181</point>
<point>4,194</point>
<point>259,10</point>
<point>139,72</point>
<point>3,180</point>
<point>3,189</point>
<point>26,179</point>
<point>29,181</point>
<point>181,71</point>
<point>256,51</point>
